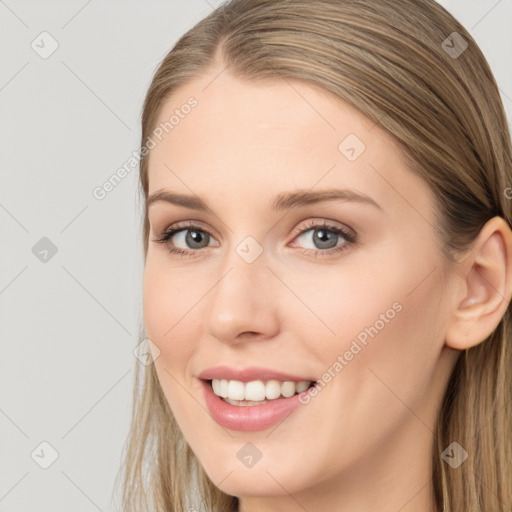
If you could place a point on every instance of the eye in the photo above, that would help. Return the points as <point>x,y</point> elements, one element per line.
<point>185,240</point>
<point>324,238</point>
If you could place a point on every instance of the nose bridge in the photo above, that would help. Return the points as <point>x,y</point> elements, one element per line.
<point>240,300</point>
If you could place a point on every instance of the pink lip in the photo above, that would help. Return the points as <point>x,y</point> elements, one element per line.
<point>248,374</point>
<point>248,418</point>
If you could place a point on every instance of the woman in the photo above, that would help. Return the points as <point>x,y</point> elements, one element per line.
<point>327,266</point>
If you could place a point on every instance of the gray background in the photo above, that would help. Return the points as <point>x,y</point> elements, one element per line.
<point>69,324</point>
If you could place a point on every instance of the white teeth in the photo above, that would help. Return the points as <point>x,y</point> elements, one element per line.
<point>288,389</point>
<point>273,389</point>
<point>302,385</point>
<point>223,388</point>
<point>256,391</point>
<point>236,390</point>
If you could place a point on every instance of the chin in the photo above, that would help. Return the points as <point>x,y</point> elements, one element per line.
<point>263,479</point>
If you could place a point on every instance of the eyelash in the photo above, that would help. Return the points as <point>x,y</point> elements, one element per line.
<point>315,225</point>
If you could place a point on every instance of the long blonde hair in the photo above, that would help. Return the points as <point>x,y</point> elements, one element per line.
<point>400,64</point>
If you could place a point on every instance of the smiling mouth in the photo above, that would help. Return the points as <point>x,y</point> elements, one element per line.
<point>256,392</point>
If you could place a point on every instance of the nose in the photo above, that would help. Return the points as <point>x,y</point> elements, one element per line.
<point>243,303</point>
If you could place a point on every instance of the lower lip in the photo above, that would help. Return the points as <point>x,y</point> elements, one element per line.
<point>249,417</point>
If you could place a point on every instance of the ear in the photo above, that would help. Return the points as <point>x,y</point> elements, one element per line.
<point>486,274</point>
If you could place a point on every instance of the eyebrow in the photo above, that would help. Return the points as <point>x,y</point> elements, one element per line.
<point>283,201</point>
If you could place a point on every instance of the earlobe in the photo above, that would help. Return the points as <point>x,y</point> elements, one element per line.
<point>487,275</point>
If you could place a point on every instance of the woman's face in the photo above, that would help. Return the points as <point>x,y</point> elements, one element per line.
<point>269,283</point>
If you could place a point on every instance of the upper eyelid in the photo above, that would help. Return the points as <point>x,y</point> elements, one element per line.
<point>329,224</point>
<point>183,225</point>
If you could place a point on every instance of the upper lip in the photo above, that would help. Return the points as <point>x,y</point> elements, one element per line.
<point>248,374</point>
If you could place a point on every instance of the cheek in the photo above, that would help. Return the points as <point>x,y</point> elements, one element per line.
<point>389,337</point>
<point>165,295</point>
<point>156,304</point>
<point>166,310</point>
<point>386,318</point>
<point>343,302</point>
<point>169,327</point>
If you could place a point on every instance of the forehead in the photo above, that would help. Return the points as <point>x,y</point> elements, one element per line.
<point>260,114</point>
<point>260,138</point>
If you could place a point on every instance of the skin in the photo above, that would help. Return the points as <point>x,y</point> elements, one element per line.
<point>365,441</point>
